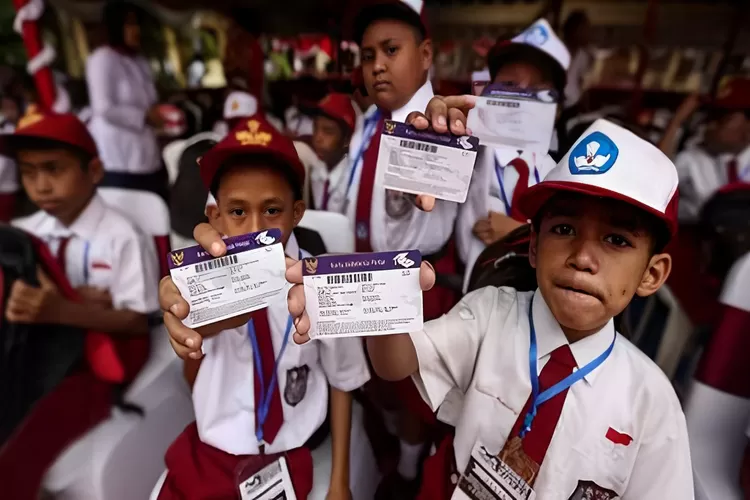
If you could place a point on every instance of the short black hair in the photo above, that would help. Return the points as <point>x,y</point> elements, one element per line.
<point>114,16</point>
<point>654,227</point>
<point>574,20</point>
<point>258,161</point>
<point>43,144</point>
<point>391,12</point>
<point>514,53</point>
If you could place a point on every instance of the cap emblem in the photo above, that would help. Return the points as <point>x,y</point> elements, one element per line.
<point>595,154</point>
<point>235,105</point>
<point>31,117</point>
<point>536,35</point>
<point>253,136</point>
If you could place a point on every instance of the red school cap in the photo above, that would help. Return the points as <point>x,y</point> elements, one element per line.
<point>339,107</point>
<point>252,137</point>
<point>408,11</point>
<point>65,129</point>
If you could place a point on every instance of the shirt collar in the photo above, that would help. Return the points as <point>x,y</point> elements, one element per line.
<point>292,247</point>
<point>418,102</point>
<point>549,336</point>
<point>84,226</point>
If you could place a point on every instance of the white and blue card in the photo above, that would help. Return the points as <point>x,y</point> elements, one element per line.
<point>245,279</point>
<point>423,162</point>
<point>363,294</point>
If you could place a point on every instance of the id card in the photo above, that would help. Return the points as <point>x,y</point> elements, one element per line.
<point>272,482</point>
<point>521,119</point>
<point>488,477</point>
<point>363,294</point>
<point>244,280</point>
<point>422,162</point>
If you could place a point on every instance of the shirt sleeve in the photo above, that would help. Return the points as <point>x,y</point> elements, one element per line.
<point>426,231</point>
<point>100,69</point>
<point>447,348</point>
<point>689,205</point>
<point>135,282</point>
<point>343,361</point>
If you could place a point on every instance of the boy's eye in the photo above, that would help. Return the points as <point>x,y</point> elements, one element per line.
<point>391,50</point>
<point>563,230</point>
<point>367,55</point>
<point>237,212</point>
<point>273,211</point>
<point>617,240</point>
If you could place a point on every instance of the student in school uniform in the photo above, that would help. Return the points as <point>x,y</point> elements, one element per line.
<point>256,178</point>
<point>332,133</point>
<point>534,59</point>
<point>554,400</point>
<point>112,266</point>
<point>724,155</point>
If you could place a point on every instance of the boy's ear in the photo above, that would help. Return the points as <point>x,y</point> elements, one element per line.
<point>532,247</point>
<point>95,169</point>
<point>655,274</point>
<point>425,49</point>
<point>299,211</point>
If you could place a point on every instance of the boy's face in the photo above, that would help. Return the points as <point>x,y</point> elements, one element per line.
<point>328,139</point>
<point>591,259</point>
<point>254,198</point>
<point>57,182</point>
<point>730,133</point>
<point>522,75</point>
<point>394,62</point>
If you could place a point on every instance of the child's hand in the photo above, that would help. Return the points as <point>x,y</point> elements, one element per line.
<point>441,114</point>
<point>296,299</point>
<point>95,296</point>
<point>34,305</point>
<point>494,227</point>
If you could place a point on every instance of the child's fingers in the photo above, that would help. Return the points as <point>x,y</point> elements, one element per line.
<point>437,113</point>
<point>425,202</point>
<point>171,300</point>
<point>44,280</point>
<point>302,324</point>
<point>418,120</point>
<point>210,239</point>
<point>457,120</point>
<point>301,339</point>
<point>293,271</point>
<point>296,301</point>
<point>426,276</point>
<point>181,334</point>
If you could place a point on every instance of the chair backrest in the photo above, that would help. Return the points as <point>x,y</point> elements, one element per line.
<point>171,155</point>
<point>148,212</point>
<point>334,228</point>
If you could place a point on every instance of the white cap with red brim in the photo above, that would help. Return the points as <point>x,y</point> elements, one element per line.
<point>240,105</point>
<point>612,162</point>
<point>541,36</point>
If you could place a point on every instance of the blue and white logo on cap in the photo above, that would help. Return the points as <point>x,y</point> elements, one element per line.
<point>536,35</point>
<point>595,154</point>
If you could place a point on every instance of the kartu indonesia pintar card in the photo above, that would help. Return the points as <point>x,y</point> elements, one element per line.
<point>422,162</point>
<point>363,294</point>
<point>244,280</point>
<point>518,118</point>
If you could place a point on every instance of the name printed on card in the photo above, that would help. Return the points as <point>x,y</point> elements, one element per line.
<point>422,162</point>
<point>250,274</point>
<point>522,119</point>
<point>363,294</point>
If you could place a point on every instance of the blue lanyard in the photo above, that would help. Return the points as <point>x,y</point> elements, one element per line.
<point>536,398</point>
<point>265,393</point>
<point>369,129</point>
<point>504,197</point>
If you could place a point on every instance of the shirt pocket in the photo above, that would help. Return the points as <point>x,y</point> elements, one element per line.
<point>605,459</point>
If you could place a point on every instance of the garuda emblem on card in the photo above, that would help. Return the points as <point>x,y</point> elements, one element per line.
<point>390,127</point>
<point>177,258</point>
<point>311,265</point>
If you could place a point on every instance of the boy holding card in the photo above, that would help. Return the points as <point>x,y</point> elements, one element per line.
<point>256,178</point>
<point>555,403</point>
<point>534,60</point>
<point>332,130</point>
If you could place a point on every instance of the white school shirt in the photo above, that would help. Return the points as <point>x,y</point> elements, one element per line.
<point>485,195</point>
<point>8,174</point>
<point>319,175</point>
<point>701,175</point>
<point>224,397</point>
<point>105,251</point>
<point>121,91</point>
<point>481,350</point>
<point>410,228</point>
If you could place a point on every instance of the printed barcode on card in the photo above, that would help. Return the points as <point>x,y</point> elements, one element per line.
<point>342,279</point>
<point>419,146</point>
<point>217,263</point>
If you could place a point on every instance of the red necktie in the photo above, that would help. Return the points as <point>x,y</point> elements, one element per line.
<point>326,187</point>
<point>537,440</point>
<point>366,186</point>
<point>275,416</point>
<point>732,175</point>
<point>522,185</point>
<point>61,253</point>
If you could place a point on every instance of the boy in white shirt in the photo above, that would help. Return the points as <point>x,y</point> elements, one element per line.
<point>553,400</point>
<point>256,177</point>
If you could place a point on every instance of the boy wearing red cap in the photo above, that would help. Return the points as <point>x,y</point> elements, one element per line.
<point>332,132</point>
<point>553,401</point>
<point>257,178</point>
<point>102,253</point>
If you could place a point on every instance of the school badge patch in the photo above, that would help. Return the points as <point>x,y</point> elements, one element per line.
<point>296,385</point>
<point>589,490</point>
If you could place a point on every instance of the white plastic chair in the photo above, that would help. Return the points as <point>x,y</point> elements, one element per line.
<point>171,155</point>
<point>334,228</point>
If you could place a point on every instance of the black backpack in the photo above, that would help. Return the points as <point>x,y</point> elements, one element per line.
<point>725,227</point>
<point>187,200</point>
<point>33,358</point>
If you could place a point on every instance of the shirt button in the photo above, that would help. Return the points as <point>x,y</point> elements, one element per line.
<point>454,478</point>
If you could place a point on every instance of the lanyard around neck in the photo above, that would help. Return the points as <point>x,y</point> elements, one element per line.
<point>368,131</point>
<point>536,398</point>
